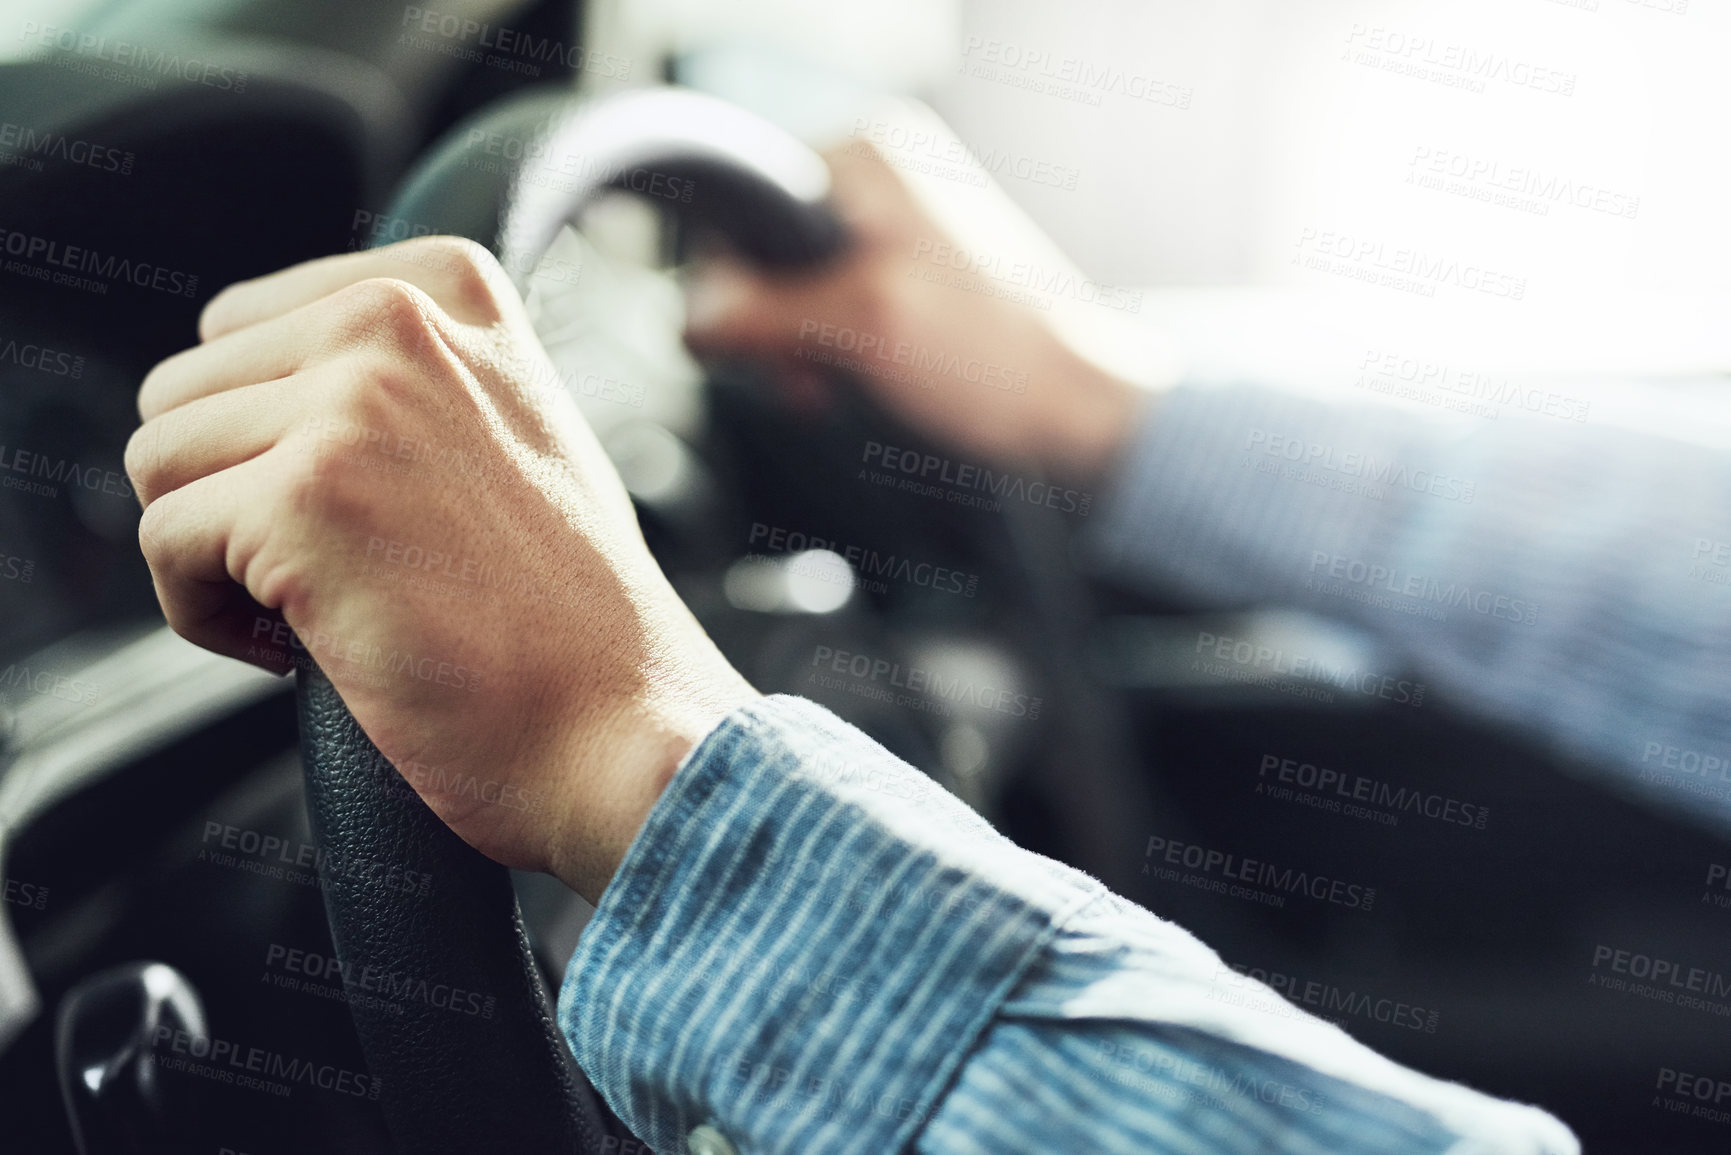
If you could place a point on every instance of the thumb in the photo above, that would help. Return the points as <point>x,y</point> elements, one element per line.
<point>731,307</point>
<point>726,308</point>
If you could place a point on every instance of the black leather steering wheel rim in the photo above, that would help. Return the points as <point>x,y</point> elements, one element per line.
<point>413,908</point>
<point>404,896</point>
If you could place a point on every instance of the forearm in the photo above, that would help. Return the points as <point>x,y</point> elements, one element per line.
<point>1546,574</point>
<point>812,948</point>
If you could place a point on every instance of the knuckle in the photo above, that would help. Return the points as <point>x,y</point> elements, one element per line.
<point>388,310</point>
<point>166,386</point>
<point>386,299</point>
<point>142,458</point>
<point>214,318</point>
<point>458,251</point>
<point>151,388</point>
<point>469,272</point>
<point>153,537</point>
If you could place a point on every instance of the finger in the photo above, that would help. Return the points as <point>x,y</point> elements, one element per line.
<point>209,434</point>
<point>721,305</point>
<point>273,348</point>
<point>462,276</point>
<point>733,308</point>
<point>187,539</point>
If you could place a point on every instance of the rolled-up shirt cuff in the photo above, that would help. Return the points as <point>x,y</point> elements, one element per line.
<point>803,944</point>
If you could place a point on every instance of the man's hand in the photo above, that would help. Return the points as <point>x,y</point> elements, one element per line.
<point>943,347</point>
<point>373,452</point>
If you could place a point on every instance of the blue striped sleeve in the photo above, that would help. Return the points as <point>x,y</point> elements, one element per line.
<point>811,948</point>
<point>1569,579</point>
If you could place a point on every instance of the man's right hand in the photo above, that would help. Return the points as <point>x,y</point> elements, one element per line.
<point>370,456</point>
<point>941,347</point>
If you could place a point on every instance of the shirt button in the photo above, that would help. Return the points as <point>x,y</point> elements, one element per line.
<point>706,1140</point>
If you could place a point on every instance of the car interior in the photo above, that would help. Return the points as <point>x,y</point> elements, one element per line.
<point>175,826</point>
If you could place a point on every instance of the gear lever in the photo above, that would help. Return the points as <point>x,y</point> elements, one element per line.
<point>116,1098</point>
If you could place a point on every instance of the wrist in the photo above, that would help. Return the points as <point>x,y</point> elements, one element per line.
<point>621,762</point>
<point>1088,417</point>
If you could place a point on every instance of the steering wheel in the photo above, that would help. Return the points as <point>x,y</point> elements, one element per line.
<point>507,1081</point>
